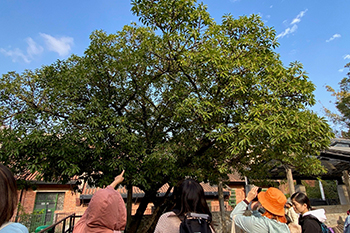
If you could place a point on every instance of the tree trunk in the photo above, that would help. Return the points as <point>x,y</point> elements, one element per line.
<point>347,182</point>
<point>156,215</point>
<point>128,207</point>
<point>290,180</point>
<point>136,220</point>
<point>161,207</point>
<point>222,207</point>
<point>19,204</point>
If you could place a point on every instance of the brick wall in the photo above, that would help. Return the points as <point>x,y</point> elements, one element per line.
<point>71,205</point>
<point>72,202</point>
<point>240,191</point>
<point>27,199</point>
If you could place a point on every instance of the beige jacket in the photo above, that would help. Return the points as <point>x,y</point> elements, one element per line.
<point>169,222</point>
<point>294,217</point>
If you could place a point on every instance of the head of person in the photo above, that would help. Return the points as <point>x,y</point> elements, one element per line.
<point>301,202</point>
<point>190,198</point>
<point>273,201</point>
<point>8,194</point>
<point>105,211</point>
<point>348,212</point>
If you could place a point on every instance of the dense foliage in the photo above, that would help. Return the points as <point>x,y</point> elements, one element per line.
<point>329,188</point>
<point>179,95</point>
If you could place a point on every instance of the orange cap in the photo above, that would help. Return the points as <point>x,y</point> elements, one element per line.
<point>273,200</point>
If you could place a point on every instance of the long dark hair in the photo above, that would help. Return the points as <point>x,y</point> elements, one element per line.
<point>8,194</point>
<point>302,199</point>
<point>189,197</point>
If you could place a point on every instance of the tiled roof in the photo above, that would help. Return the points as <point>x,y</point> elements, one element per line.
<point>28,176</point>
<point>37,177</point>
<point>235,177</point>
<point>88,191</point>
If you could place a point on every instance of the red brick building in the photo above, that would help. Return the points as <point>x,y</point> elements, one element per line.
<point>52,201</point>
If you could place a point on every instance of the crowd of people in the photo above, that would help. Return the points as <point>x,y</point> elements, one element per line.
<point>270,211</point>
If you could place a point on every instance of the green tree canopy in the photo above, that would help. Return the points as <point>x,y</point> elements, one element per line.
<point>179,95</point>
<point>342,103</point>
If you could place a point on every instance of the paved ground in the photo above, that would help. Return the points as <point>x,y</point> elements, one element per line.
<point>339,227</point>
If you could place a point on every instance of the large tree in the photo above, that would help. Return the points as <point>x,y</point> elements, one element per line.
<point>179,95</point>
<point>342,104</point>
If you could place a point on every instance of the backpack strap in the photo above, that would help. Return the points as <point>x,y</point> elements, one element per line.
<point>188,219</point>
<point>323,226</point>
<point>203,220</point>
<point>183,226</point>
<point>200,216</point>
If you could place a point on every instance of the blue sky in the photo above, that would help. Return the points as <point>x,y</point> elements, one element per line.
<point>314,32</point>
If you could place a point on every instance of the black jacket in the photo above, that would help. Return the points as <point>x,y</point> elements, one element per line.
<point>310,224</point>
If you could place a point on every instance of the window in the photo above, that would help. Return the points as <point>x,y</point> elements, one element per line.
<point>45,206</point>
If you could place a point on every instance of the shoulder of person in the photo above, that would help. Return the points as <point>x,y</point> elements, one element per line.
<point>310,217</point>
<point>311,221</point>
<point>169,214</point>
<point>168,223</point>
<point>265,224</point>
<point>14,227</point>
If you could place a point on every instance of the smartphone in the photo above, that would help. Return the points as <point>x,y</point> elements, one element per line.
<point>256,198</point>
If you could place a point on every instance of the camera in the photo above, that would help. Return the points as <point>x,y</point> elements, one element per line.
<point>262,210</point>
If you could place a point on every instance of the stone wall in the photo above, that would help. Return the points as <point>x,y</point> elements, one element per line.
<point>336,214</point>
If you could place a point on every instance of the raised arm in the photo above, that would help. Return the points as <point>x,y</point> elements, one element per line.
<point>117,180</point>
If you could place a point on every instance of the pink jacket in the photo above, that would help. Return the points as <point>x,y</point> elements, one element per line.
<point>106,213</point>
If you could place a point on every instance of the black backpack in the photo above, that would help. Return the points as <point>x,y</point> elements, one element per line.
<point>195,223</point>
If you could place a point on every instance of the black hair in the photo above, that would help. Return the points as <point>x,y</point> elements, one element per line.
<point>301,198</point>
<point>190,197</point>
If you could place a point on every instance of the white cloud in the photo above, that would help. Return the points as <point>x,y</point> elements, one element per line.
<point>288,31</point>
<point>347,56</point>
<point>298,18</point>
<point>16,54</point>
<point>333,37</point>
<point>293,25</point>
<point>341,70</point>
<point>61,45</point>
<point>33,48</point>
